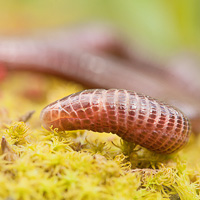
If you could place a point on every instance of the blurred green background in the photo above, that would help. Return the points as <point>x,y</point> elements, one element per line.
<point>162,26</point>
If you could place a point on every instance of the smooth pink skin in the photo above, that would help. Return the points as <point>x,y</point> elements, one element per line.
<point>134,117</point>
<point>98,58</point>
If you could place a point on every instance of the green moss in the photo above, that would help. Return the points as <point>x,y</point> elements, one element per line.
<point>82,164</point>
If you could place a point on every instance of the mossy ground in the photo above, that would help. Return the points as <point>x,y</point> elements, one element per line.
<point>81,165</point>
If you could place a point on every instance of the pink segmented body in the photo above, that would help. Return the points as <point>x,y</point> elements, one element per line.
<point>134,117</point>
